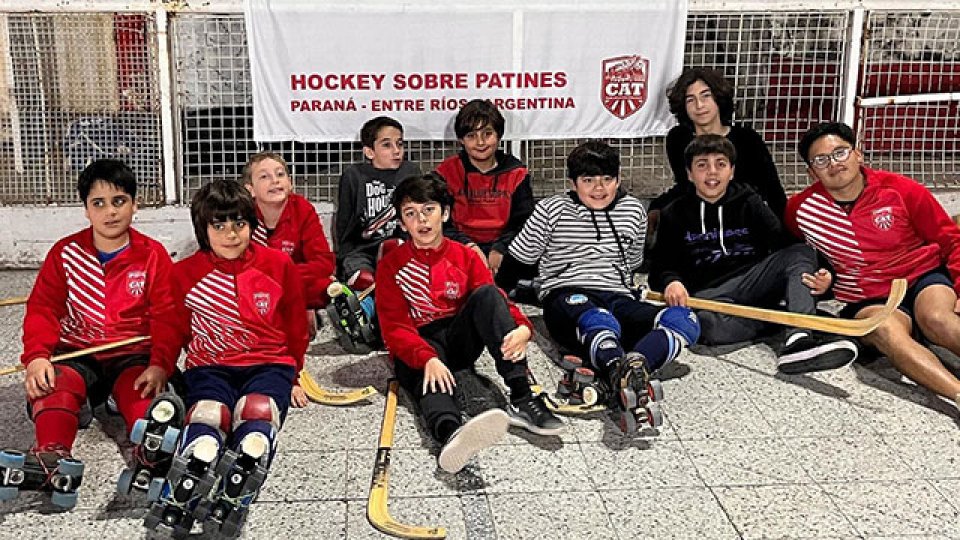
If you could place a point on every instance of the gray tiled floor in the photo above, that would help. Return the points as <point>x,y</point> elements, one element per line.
<point>743,453</point>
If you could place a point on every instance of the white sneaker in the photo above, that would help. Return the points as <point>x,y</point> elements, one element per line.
<point>481,431</point>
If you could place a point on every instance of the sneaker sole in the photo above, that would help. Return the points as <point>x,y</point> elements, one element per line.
<point>516,421</point>
<point>481,431</point>
<point>822,358</point>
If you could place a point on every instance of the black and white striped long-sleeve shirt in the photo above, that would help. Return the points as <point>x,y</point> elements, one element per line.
<point>580,247</point>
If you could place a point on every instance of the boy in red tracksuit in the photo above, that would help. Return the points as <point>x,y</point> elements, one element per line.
<point>103,284</point>
<point>239,311</point>
<point>491,190</point>
<point>288,222</point>
<point>439,308</point>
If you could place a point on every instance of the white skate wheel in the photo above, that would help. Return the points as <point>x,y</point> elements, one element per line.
<point>335,289</point>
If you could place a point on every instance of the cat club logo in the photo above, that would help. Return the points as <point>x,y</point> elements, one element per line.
<point>287,247</point>
<point>262,301</point>
<point>624,89</point>
<point>136,281</point>
<point>883,218</point>
<point>451,290</point>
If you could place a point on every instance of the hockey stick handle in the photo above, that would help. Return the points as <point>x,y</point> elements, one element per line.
<point>81,352</point>
<point>833,325</point>
<point>335,289</point>
<point>13,301</point>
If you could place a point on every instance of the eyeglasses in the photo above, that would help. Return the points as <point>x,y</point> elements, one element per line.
<point>425,212</point>
<point>822,161</point>
<point>590,181</point>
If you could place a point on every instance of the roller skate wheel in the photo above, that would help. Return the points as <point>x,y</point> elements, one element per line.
<point>570,362</point>
<point>335,289</point>
<point>70,467</point>
<point>628,398</point>
<point>170,438</point>
<point>163,411</point>
<point>12,459</point>
<point>8,493</point>
<point>655,390</point>
<point>125,482</point>
<point>628,422</point>
<point>64,500</point>
<point>139,431</point>
<point>583,375</point>
<point>590,396</point>
<point>654,414</point>
<point>155,489</point>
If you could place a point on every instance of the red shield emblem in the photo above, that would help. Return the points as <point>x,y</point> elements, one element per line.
<point>262,301</point>
<point>287,247</point>
<point>883,218</point>
<point>452,290</point>
<point>624,89</point>
<point>136,281</point>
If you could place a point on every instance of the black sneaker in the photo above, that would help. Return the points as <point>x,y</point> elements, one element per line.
<point>533,415</point>
<point>804,353</point>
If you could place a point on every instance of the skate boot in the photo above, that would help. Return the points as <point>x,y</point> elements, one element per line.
<point>155,437</point>
<point>352,319</point>
<point>636,394</point>
<point>190,479</point>
<point>241,474</point>
<point>50,468</point>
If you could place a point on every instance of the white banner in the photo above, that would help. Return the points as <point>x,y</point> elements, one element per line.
<point>320,72</point>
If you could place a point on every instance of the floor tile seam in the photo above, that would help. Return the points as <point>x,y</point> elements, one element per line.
<point>487,513</point>
<point>726,512</point>
<point>840,508</point>
<point>950,501</point>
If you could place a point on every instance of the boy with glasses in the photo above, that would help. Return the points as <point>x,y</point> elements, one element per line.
<point>874,226</point>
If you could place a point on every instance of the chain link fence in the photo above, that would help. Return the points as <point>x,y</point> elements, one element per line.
<point>77,86</point>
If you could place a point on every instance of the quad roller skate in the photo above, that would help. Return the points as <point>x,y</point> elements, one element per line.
<point>155,437</point>
<point>241,475</point>
<point>190,480</point>
<point>636,394</point>
<point>49,469</point>
<point>352,319</point>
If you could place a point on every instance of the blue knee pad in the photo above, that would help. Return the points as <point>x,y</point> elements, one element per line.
<point>681,321</point>
<point>597,320</point>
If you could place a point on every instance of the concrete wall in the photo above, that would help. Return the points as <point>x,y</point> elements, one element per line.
<point>28,233</point>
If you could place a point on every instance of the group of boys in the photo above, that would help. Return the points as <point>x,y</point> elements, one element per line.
<point>237,307</point>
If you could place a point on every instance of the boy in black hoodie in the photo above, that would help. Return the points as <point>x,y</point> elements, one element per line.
<point>724,243</point>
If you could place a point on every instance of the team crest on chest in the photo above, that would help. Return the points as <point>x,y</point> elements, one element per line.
<point>451,290</point>
<point>136,281</point>
<point>883,218</point>
<point>287,247</point>
<point>262,301</point>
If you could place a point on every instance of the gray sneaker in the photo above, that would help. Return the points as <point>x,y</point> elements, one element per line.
<point>533,415</point>
<point>481,431</point>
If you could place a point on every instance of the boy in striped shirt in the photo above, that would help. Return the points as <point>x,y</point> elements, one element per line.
<point>588,242</point>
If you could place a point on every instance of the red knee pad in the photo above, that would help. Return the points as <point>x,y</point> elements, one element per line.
<point>387,246</point>
<point>360,280</point>
<point>256,407</point>
<point>69,393</point>
<point>211,413</point>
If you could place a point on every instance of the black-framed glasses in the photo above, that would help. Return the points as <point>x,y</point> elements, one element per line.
<point>822,161</point>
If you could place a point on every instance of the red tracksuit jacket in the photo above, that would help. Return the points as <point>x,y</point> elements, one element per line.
<point>896,229</point>
<point>77,302</point>
<point>418,286</point>
<point>242,312</point>
<point>300,235</point>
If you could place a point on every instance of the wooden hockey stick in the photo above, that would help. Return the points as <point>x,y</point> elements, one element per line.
<point>13,301</point>
<point>317,394</point>
<point>832,325</point>
<point>81,352</point>
<point>377,512</point>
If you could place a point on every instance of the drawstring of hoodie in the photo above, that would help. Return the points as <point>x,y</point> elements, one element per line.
<point>623,255</point>
<point>703,223</point>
